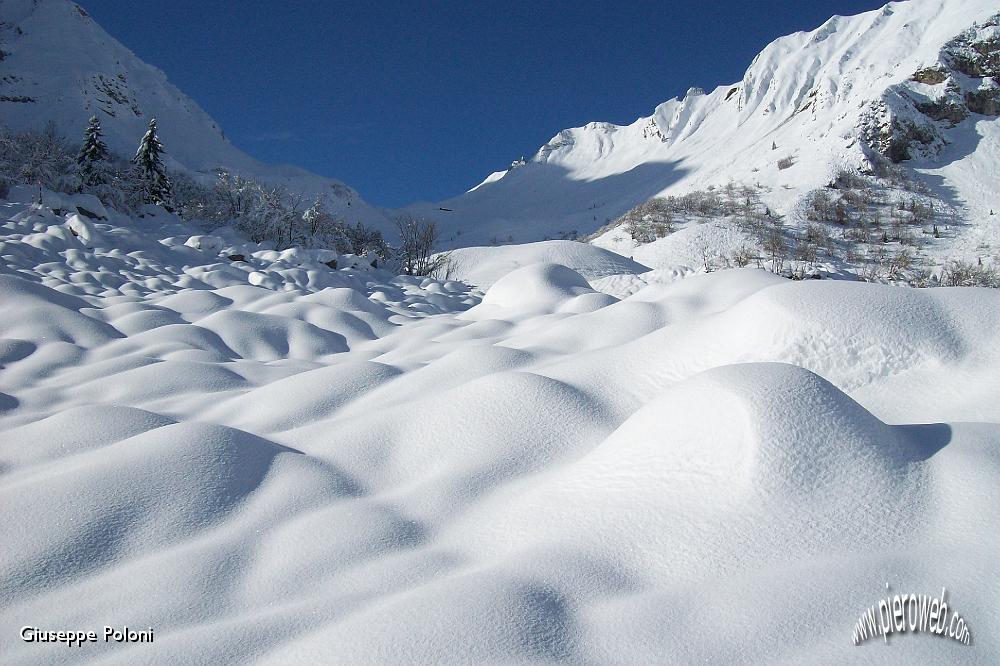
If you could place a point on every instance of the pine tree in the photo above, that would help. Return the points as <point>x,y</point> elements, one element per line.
<point>92,161</point>
<point>152,177</point>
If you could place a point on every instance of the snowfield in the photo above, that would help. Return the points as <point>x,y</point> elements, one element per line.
<point>266,459</point>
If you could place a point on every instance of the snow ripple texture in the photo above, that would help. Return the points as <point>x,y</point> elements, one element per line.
<point>348,467</point>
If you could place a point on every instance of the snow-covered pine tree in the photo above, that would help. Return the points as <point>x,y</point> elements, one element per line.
<point>92,161</point>
<point>152,180</point>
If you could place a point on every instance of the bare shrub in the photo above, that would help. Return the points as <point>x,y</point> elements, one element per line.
<point>898,263</point>
<point>820,206</point>
<point>775,249</point>
<point>848,179</point>
<point>880,263</point>
<point>362,240</point>
<point>806,251</point>
<point>819,236</point>
<point>418,236</point>
<point>43,158</point>
<point>961,273</point>
<point>649,220</point>
<point>268,213</point>
<point>921,212</point>
<point>856,199</point>
<point>743,256</point>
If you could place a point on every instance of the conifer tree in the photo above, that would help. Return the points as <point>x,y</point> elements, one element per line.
<point>92,161</point>
<point>153,182</point>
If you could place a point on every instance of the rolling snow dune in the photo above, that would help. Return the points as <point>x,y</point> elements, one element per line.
<point>351,467</point>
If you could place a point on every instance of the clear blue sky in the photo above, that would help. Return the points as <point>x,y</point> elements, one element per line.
<point>420,101</point>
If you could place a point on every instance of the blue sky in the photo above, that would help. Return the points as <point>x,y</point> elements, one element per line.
<point>420,101</point>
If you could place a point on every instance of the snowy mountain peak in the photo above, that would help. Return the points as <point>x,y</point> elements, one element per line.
<point>816,100</point>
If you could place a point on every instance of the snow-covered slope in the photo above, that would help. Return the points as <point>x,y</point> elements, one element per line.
<point>264,460</point>
<point>58,64</point>
<point>822,99</point>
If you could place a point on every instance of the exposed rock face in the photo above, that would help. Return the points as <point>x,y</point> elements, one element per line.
<point>652,130</point>
<point>561,140</point>
<point>910,119</point>
<point>986,101</point>
<point>944,109</point>
<point>930,75</point>
<point>976,52</point>
<point>898,129</point>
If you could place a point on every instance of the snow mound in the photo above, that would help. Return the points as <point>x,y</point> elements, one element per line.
<point>622,286</point>
<point>483,266</point>
<point>303,397</point>
<point>114,496</point>
<point>876,330</point>
<point>537,287</point>
<point>75,430</point>
<point>45,314</point>
<point>756,428</point>
<point>269,337</point>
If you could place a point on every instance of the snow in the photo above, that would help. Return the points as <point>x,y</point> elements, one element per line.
<point>553,451</point>
<point>587,462</point>
<point>688,247</point>
<point>808,96</point>
<point>483,266</point>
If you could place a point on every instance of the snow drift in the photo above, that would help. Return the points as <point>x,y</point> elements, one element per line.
<point>347,466</point>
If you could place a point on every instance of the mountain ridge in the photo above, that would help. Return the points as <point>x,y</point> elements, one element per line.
<point>61,65</point>
<point>823,98</point>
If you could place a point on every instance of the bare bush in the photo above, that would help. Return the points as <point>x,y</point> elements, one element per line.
<point>882,263</point>
<point>848,179</point>
<point>363,240</point>
<point>41,158</point>
<point>265,213</point>
<point>820,206</point>
<point>656,217</point>
<point>700,202</point>
<point>786,162</point>
<point>806,251</point>
<point>856,199</point>
<point>743,256</point>
<point>418,237</point>
<point>319,229</point>
<point>819,236</point>
<point>191,198</point>
<point>961,273</point>
<point>921,212</point>
<point>649,220</point>
<point>775,249</point>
